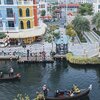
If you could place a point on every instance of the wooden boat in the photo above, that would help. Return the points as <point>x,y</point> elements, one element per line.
<point>6,77</point>
<point>64,96</point>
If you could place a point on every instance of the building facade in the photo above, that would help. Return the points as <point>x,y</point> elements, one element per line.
<point>8,16</point>
<point>96,6</point>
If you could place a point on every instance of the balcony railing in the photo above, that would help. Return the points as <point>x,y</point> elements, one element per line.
<point>25,3</point>
<point>9,29</point>
<point>10,15</point>
<point>7,2</point>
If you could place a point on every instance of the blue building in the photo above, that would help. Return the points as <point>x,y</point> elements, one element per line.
<point>8,16</point>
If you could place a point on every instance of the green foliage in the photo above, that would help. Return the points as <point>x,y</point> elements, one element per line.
<point>86,9</point>
<point>43,12</point>
<point>81,24</point>
<point>96,20</point>
<point>70,30</point>
<point>52,34</point>
<point>82,60</point>
<point>22,97</point>
<point>2,35</point>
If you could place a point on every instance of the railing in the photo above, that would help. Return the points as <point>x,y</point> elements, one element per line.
<point>25,2</point>
<point>9,29</point>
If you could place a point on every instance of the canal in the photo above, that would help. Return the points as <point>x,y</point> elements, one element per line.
<point>59,75</point>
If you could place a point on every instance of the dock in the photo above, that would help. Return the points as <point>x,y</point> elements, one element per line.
<point>57,56</point>
<point>8,57</point>
<point>25,60</point>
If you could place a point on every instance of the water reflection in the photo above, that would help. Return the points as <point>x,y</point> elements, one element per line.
<point>59,75</point>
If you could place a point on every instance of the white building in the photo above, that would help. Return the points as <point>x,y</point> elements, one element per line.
<point>80,1</point>
<point>42,5</point>
<point>96,6</point>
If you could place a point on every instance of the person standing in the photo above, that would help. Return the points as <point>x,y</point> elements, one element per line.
<point>45,90</point>
<point>11,72</point>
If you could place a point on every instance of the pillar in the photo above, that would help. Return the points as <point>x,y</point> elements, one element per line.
<point>35,13</point>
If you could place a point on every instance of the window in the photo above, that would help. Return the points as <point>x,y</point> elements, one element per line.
<point>21,25</point>
<point>28,24</point>
<point>0,1</point>
<point>10,23</point>
<point>20,12</point>
<point>1,24</point>
<point>27,12</point>
<point>8,1</point>
<point>98,6</point>
<point>9,12</point>
<point>42,6</point>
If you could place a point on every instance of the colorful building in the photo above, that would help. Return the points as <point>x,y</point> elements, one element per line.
<point>25,12</point>
<point>8,16</point>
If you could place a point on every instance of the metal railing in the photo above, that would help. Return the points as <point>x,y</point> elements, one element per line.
<point>25,2</point>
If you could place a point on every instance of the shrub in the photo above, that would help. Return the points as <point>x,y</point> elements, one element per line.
<point>82,60</point>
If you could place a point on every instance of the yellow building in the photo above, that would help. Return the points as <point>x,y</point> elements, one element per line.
<point>26,17</point>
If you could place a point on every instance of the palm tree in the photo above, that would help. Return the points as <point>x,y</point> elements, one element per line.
<point>52,34</point>
<point>96,20</point>
<point>81,24</point>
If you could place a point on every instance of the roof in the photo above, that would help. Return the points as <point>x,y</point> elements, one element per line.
<point>69,5</point>
<point>62,40</point>
<point>37,31</point>
<point>48,16</point>
<point>57,11</point>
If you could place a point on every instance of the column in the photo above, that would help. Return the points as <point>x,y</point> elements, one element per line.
<point>35,13</point>
<point>4,26</point>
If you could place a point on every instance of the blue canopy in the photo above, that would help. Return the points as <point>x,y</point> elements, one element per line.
<point>63,39</point>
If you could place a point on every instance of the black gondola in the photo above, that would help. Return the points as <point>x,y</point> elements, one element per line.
<point>6,77</point>
<point>83,93</point>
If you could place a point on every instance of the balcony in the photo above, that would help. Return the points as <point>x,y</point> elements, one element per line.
<point>9,29</point>
<point>8,2</point>
<point>22,3</point>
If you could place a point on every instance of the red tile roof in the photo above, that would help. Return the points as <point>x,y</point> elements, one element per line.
<point>69,5</point>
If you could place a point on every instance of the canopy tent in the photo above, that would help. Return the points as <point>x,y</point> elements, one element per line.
<point>37,31</point>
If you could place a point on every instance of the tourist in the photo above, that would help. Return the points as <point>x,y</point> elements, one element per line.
<point>1,74</point>
<point>75,89</point>
<point>40,96</point>
<point>45,90</point>
<point>57,93</point>
<point>11,72</point>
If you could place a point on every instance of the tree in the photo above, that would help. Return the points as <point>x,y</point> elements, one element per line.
<point>86,9</point>
<point>70,31</point>
<point>81,24</point>
<point>2,35</point>
<point>52,34</point>
<point>96,20</point>
<point>43,12</point>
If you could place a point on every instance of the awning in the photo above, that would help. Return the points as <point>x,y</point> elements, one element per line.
<point>37,31</point>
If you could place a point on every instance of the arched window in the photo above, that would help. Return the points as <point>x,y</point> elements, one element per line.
<point>27,12</point>
<point>28,24</point>
<point>21,25</point>
<point>20,12</point>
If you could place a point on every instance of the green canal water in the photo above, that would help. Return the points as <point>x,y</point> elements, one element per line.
<point>59,75</point>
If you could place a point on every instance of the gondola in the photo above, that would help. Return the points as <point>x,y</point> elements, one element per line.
<point>83,93</point>
<point>6,77</point>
